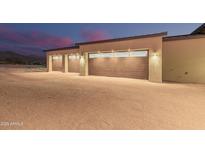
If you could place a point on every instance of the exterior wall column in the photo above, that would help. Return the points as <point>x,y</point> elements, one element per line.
<point>155,65</point>
<point>84,64</point>
<point>49,63</point>
<point>65,63</point>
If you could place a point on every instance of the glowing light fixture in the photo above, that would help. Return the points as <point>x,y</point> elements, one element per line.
<point>155,54</point>
<point>57,57</point>
<point>74,56</point>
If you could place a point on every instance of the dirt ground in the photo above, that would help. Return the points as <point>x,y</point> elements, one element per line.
<point>41,100</point>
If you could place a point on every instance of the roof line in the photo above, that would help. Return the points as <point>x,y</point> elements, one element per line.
<point>196,31</point>
<point>183,37</point>
<point>63,48</point>
<point>124,38</point>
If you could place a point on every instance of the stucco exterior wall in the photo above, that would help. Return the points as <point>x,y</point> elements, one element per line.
<point>49,63</point>
<point>153,44</point>
<point>84,64</point>
<point>184,60</point>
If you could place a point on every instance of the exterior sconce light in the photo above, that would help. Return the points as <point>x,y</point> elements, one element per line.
<point>155,54</point>
<point>77,56</point>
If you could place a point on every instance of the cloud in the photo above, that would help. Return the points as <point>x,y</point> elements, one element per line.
<point>30,40</point>
<point>96,35</point>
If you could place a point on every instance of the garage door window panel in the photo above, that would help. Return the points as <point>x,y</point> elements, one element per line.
<point>121,54</point>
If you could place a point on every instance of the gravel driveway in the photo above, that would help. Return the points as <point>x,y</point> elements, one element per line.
<point>41,100</point>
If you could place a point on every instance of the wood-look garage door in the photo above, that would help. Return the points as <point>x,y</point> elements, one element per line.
<point>57,63</point>
<point>120,66</point>
<point>74,65</point>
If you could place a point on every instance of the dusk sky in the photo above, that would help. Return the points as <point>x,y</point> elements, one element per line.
<point>31,39</point>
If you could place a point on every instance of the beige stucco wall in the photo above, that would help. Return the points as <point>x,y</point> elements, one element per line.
<point>184,60</point>
<point>84,64</point>
<point>49,63</point>
<point>153,44</point>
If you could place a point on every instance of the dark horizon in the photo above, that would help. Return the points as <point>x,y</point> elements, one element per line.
<point>32,39</point>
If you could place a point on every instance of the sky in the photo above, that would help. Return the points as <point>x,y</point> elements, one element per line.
<point>33,38</point>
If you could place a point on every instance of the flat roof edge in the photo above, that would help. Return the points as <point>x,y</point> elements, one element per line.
<point>124,38</point>
<point>63,48</point>
<point>183,37</point>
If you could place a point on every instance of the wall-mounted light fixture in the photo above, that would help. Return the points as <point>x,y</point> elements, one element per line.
<point>57,57</point>
<point>155,54</point>
<point>74,56</point>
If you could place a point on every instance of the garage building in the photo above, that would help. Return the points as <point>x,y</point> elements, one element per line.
<point>154,57</point>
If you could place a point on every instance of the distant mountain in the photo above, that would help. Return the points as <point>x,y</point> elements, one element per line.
<point>10,57</point>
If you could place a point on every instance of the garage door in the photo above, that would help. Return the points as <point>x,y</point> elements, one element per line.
<point>133,64</point>
<point>74,63</point>
<point>57,63</point>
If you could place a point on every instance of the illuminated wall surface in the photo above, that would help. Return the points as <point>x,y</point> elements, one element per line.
<point>57,57</point>
<point>74,57</point>
<point>184,60</point>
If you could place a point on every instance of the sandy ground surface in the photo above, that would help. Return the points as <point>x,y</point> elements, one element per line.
<point>41,100</point>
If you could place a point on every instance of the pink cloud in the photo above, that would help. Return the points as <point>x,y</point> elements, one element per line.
<point>33,38</point>
<point>89,35</point>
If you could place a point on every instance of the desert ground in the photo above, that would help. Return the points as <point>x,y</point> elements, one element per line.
<point>31,98</point>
